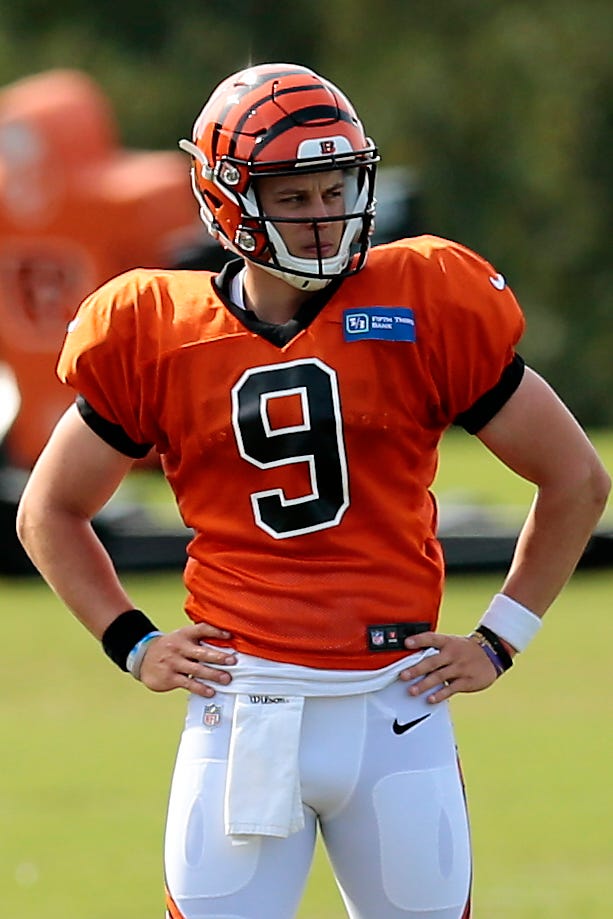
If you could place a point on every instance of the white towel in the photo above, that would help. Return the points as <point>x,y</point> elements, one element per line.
<point>263,795</point>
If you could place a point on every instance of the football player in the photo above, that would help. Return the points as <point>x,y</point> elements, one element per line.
<point>298,399</point>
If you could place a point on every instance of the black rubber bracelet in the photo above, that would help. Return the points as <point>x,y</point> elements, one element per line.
<point>494,640</point>
<point>123,634</point>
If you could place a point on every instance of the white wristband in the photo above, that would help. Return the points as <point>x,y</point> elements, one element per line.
<point>137,654</point>
<point>511,621</point>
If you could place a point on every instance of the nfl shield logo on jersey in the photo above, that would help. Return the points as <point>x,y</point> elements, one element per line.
<point>377,637</point>
<point>212,715</point>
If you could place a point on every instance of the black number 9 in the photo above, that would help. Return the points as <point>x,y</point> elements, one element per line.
<point>318,441</point>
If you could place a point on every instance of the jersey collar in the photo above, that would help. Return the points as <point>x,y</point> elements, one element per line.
<point>278,335</point>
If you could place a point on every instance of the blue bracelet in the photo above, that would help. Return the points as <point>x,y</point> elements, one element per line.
<point>499,665</point>
<point>135,658</point>
<point>123,633</point>
<point>494,659</point>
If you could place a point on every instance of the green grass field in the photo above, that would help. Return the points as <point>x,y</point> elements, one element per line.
<point>87,753</point>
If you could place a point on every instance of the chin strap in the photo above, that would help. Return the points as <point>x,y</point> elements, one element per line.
<point>295,280</point>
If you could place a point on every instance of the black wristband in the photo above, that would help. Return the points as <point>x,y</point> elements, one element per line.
<point>494,641</point>
<point>123,633</point>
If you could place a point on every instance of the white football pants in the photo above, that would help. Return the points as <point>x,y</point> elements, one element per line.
<point>387,797</point>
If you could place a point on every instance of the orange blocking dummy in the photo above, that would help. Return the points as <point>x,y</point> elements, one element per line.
<point>75,210</point>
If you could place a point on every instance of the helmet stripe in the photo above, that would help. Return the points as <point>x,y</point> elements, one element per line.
<point>241,89</point>
<point>264,101</point>
<point>325,114</point>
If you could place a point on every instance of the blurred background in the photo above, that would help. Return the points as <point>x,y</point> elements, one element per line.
<point>494,119</point>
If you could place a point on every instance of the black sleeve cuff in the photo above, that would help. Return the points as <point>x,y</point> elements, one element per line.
<point>489,404</point>
<point>112,434</point>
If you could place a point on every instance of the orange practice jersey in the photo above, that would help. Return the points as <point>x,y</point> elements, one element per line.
<point>304,468</point>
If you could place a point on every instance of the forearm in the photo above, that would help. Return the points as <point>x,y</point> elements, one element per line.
<point>75,564</point>
<point>552,542</point>
<point>75,476</point>
<point>536,436</point>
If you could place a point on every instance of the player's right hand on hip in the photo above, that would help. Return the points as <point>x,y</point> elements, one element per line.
<point>179,660</point>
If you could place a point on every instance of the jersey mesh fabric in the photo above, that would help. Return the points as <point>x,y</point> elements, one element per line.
<point>304,469</point>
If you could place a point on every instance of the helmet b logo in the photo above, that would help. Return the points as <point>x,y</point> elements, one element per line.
<point>327,147</point>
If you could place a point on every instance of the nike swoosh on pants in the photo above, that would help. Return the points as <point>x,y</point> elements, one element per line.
<point>401,728</point>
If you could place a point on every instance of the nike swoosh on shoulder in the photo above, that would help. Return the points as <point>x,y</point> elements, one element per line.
<point>498,281</point>
<point>401,728</point>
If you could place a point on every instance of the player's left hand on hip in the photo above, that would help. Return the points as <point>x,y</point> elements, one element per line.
<point>460,666</point>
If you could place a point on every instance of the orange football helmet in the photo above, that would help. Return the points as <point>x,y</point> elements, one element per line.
<point>276,120</point>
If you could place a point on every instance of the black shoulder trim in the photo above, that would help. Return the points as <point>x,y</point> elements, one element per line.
<point>489,404</point>
<point>112,434</point>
